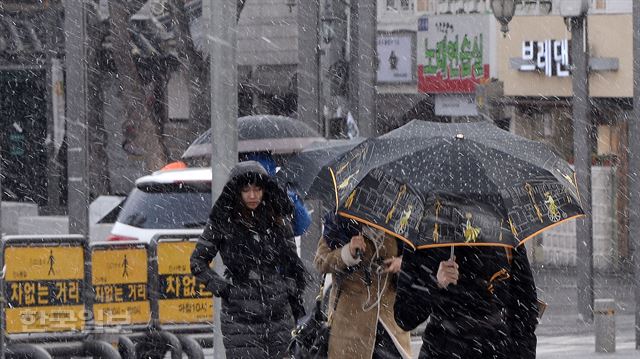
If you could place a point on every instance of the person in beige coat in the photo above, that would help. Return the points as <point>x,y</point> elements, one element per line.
<point>363,268</point>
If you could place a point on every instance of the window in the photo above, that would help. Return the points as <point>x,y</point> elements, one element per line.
<point>400,5</point>
<point>167,206</point>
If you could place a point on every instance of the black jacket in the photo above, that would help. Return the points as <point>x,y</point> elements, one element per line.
<point>263,268</point>
<point>491,312</point>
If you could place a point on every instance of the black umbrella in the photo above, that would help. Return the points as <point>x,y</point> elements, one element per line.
<point>301,169</point>
<point>434,184</point>
<point>275,134</point>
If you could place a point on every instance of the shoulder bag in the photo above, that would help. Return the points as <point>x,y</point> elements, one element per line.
<point>310,338</point>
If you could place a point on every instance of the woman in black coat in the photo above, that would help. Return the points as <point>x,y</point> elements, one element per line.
<point>250,226</point>
<point>481,304</point>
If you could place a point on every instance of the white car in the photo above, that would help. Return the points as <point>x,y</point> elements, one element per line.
<point>165,202</point>
<point>176,201</point>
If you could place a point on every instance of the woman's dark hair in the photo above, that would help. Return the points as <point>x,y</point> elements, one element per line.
<point>275,204</point>
<point>269,210</point>
<point>253,178</point>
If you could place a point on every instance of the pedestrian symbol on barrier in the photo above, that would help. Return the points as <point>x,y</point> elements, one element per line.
<point>125,267</point>
<point>119,277</point>
<point>43,295</point>
<point>52,261</point>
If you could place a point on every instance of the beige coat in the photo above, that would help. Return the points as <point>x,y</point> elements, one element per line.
<point>353,330</point>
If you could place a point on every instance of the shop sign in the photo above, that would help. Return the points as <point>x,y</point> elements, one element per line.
<point>550,56</point>
<point>395,63</point>
<point>453,53</point>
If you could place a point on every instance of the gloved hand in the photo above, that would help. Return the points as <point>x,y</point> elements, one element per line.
<point>297,309</point>
<point>218,286</point>
<point>294,297</point>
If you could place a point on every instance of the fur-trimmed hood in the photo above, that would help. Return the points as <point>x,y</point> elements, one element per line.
<point>274,200</point>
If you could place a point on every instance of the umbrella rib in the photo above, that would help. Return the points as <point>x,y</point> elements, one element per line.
<point>463,244</point>
<point>549,227</point>
<point>335,186</point>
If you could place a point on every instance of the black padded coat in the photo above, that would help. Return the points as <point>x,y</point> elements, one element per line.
<point>491,313</point>
<point>263,268</point>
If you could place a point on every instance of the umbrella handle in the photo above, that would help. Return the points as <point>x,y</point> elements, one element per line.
<point>365,269</point>
<point>451,256</point>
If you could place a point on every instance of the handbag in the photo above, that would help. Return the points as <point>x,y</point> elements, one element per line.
<point>310,337</point>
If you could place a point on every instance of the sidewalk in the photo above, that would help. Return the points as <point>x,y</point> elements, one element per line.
<point>562,335</point>
<point>579,345</point>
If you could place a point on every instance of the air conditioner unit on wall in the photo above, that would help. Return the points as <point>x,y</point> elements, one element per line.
<point>573,8</point>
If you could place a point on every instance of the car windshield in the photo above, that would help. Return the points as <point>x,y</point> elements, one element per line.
<point>167,206</point>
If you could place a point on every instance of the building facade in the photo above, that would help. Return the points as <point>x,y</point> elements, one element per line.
<point>535,69</point>
<point>528,90</point>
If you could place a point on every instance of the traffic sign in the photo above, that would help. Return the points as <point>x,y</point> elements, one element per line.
<point>119,276</point>
<point>181,300</point>
<point>43,288</point>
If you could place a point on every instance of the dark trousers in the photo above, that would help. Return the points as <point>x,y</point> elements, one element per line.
<point>385,348</point>
<point>447,346</point>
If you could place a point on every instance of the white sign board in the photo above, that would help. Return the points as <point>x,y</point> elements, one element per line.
<point>395,64</point>
<point>455,105</point>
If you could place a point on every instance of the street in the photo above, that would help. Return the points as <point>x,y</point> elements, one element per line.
<point>155,154</point>
<point>561,334</point>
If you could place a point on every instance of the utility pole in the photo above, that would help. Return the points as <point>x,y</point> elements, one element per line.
<point>582,147</point>
<point>634,168</point>
<point>77,121</point>
<point>224,125</point>
<point>335,66</point>
<point>309,64</point>
<point>2,347</point>
<point>362,69</point>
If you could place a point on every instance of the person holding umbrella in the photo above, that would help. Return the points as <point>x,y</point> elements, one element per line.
<point>439,186</point>
<point>250,226</point>
<point>480,303</point>
<point>364,263</point>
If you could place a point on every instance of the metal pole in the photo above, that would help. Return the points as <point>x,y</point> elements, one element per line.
<point>334,64</point>
<point>363,66</point>
<point>309,64</point>
<point>354,74</point>
<point>1,177</point>
<point>308,246</point>
<point>582,147</point>
<point>3,322</point>
<point>224,113</point>
<point>77,136</point>
<point>634,168</point>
